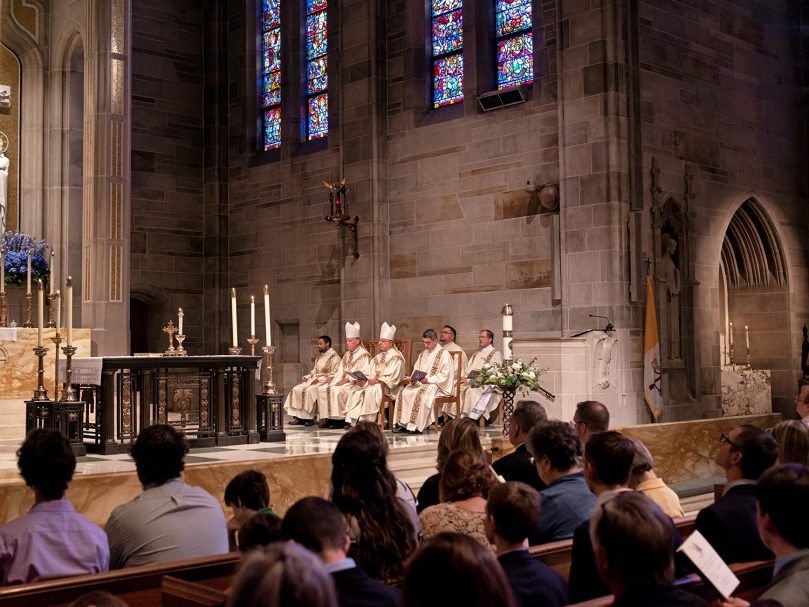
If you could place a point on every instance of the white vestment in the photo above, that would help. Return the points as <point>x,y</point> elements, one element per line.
<point>300,402</point>
<point>363,403</point>
<point>414,407</point>
<point>469,395</point>
<point>331,398</point>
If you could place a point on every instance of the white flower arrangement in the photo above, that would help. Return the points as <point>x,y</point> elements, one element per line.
<point>509,377</point>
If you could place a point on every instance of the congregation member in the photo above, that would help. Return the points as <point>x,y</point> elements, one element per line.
<point>486,355</point>
<point>464,487</point>
<point>792,437</point>
<point>284,574</point>
<point>453,570</point>
<point>246,494</point>
<point>517,465</point>
<point>447,338</point>
<point>729,525</point>
<point>332,392</point>
<point>415,406</point>
<point>457,434</point>
<point>782,494</point>
<point>98,598</point>
<point>318,526</point>
<point>261,529</point>
<point>802,400</point>
<point>633,544</point>
<point>169,520</point>
<point>645,480</point>
<point>302,398</point>
<point>51,540</point>
<point>566,501</point>
<point>512,512</point>
<point>387,371</point>
<point>383,529</point>
<point>608,460</point>
<point>590,417</point>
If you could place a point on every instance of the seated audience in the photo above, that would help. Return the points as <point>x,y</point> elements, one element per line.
<point>590,417</point>
<point>317,525</point>
<point>98,598</point>
<point>261,529</point>
<point>517,465</point>
<point>512,512</point>
<point>645,480</point>
<point>566,502</point>
<point>633,546</point>
<point>729,525</point>
<point>607,464</point>
<point>246,494</point>
<point>464,486</point>
<point>453,570</point>
<point>284,574</point>
<point>457,434</point>
<point>792,437</point>
<point>383,529</point>
<point>169,520</point>
<point>52,540</point>
<point>782,494</point>
<point>802,400</point>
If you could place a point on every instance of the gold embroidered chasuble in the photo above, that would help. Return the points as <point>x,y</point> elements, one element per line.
<point>363,403</point>
<point>414,407</point>
<point>331,398</point>
<point>301,400</point>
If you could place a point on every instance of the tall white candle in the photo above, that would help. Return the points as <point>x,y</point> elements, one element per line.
<point>233,318</point>
<point>267,326</point>
<point>746,337</point>
<point>507,322</point>
<point>40,312</point>
<point>28,275</point>
<point>2,270</point>
<point>730,334</point>
<point>58,312</point>
<point>180,322</point>
<point>69,310</point>
<point>53,273</point>
<point>252,316</point>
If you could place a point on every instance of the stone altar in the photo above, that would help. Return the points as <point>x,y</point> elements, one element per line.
<point>746,391</point>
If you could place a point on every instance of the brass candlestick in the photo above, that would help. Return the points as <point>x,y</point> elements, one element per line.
<point>170,330</point>
<point>3,311</point>
<point>51,299</point>
<point>731,355</point>
<point>749,361</point>
<point>40,393</point>
<point>180,350</point>
<point>234,351</point>
<point>252,340</point>
<point>269,387</point>
<point>68,393</point>
<point>56,340</point>
<point>28,324</point>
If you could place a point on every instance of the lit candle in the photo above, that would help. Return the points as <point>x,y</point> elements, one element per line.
<point>51,281</point>
<point>508,322</point>
<point>233,318</point>
<point>58,311</point>
<point>40,312</point>
<point>69,310</point>
<point>180,322</point>
<point>267,326</point>
<point>28,275</point>
<point>2,270</point>
<point>730,334</point>
<point>252,316</point>
<point>746,337</point>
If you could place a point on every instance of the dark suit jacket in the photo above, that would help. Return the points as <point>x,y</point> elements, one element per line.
<point>517,466</point>
<point>729,525</point>
<point>534,583</point>
<point>356,589</point>
<point>428,494</point>
<point>789,587</point>
<point>666,597</point>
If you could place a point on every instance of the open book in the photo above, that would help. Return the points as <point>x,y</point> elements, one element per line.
<point>709,564</point>
<point>358,375</point>
<point>417,376</point>
<point>472,374</point>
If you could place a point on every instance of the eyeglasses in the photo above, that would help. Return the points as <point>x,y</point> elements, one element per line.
<point>724,438</point>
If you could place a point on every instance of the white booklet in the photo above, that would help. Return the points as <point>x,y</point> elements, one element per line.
<point>710,565</point>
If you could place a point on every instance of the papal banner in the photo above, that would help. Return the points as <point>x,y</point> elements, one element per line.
<point>652,380</point>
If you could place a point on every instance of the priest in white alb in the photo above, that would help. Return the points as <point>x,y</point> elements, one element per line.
<point>332,394</point>
<point>447,339</point>
<point>414,407</point>
<point>301,400</point>
<point>387,370</point>
<point>470,397</point>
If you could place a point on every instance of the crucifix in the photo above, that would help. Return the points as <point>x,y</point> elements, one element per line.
<point>170,330</point>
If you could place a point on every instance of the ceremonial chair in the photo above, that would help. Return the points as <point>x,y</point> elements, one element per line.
<point>454,398</point>
<point>405,346</point>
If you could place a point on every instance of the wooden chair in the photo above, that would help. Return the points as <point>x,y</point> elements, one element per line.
<point>454,398</point>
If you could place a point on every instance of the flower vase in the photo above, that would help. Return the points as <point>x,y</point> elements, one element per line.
<point>508,408</point>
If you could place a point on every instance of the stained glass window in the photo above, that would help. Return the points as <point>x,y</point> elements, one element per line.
<point>447,51</point>
<point>317,74</point>
<point>515,42</point>
<point>271,73</point>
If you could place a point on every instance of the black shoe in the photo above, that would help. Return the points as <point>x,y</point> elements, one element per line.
<point>296,421</point>
<point>399,430</point>
<point>308,423</point>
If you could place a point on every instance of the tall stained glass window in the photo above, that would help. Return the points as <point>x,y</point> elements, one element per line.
<point>447,37</point>
<point>515,42</point>
<point>271,73</point>
<point>317,75</point>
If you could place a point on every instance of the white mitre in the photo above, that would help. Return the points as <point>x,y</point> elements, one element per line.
<point>352,331</point>
<point>387,331</point>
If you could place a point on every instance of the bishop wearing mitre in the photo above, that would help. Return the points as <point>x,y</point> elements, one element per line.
<point>301,400</point>
<point>470,397</point>
<point>387,370</point>
<point>414,407</point>
<point>332,394</point>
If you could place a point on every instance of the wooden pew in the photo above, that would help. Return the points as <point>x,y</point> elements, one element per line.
<point>175,592</point>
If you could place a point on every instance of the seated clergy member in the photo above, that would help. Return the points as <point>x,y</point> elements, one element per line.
<point>591,416</point>
<point>517,465</point>
<point>512,512</point>
<point>729,525</point>
<point>170,520</point>
<point>633,545</point>
<point>414,408</point>
<point>387,370</point>
<point>301,400</point>
<point>51,540</point>
<point>567,501</point>
<point>319,526</point>
<point>486,355</point>
<point>332,394</point>
<point>447,339</point>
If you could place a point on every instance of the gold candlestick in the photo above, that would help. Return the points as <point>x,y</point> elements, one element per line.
<point>56,340</point>
<point>252,340</point>
<point>234,351</point>
<point>68,393</point>
<point>170,330</point>
<point>3,311</point>
<point>51,299</point>
<point>40,393</point>
<point>269,387</point>
<point>180,350</point>
<point>28,324</point>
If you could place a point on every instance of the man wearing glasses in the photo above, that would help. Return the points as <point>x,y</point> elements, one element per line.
<point>729,525</point>
<point>802,401</point>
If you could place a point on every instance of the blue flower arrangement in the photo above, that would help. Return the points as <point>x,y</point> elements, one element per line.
<point>15,260</point>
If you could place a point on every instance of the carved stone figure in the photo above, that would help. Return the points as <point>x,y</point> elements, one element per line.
<point>670,274</point>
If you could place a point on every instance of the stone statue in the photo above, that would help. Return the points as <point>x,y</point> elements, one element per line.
<point>4,164</point>
<point>670,274</point>
<point>604,346</point>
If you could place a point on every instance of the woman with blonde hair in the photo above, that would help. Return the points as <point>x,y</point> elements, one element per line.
<point>644,479</point>
<point>792,437</point>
